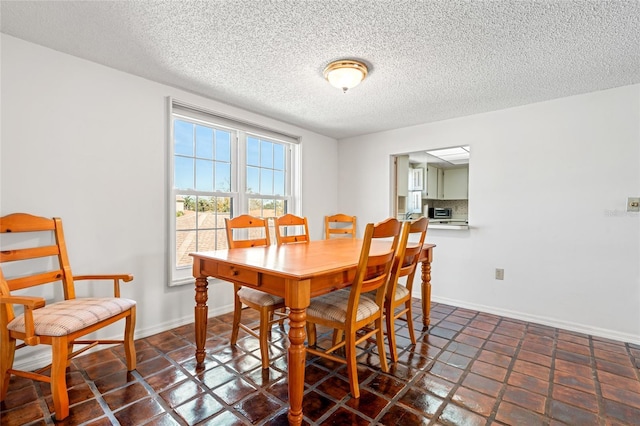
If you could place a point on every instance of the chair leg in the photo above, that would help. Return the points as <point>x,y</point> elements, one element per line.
<point>338,335</point>
<point>281,322</point>
<point>129,345</point>
<point>311,334</point>
<point>391,332</point>
<point>409,315</point>
<point>265,314</point>
<point>59,348</point>
<point>237,313</point>
<point>7,354</point>
<point>380,341</point>
<point>352,366</point>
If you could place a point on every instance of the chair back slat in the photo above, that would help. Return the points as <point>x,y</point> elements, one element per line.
<point>23,222</point>
<point>35,280</point>
<point>28,253</point>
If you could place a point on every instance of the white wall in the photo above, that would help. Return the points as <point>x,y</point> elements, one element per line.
<point>547,202</point>
<point>87,143</point>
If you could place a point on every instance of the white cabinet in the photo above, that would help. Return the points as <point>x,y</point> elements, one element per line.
<point>456,184</point>
<point>402,175</point>
<point>447,184</point>
<point>434,176</point>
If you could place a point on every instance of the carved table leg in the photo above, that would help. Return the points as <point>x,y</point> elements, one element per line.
<point>201,314</point>
<point>297,298</point>
<point>426,290</point>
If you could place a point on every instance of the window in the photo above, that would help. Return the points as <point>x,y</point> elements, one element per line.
<point>222,168</point>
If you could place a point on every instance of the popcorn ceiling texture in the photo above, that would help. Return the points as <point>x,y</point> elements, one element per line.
<point>429,61</point>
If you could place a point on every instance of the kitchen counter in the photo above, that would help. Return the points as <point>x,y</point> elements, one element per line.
<point>456,223</point>
<point>448,224</point>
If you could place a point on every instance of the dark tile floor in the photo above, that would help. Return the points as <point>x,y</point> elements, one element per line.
<point>469,368</point>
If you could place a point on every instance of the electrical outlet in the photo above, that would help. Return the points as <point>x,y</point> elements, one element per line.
<point>499,274</point>
<point>633,204</point>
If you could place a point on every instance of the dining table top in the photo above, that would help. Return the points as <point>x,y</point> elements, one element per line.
<point>297,261</point>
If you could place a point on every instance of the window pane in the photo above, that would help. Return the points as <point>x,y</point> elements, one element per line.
<point>223,208</point>
<point>185,212</point>
<point>278,157</point>
<point>184,172</point>
<point>207,240</point>
<point>205,206</point>
<point>204,142</point>
<point>266,181</point>
<point>183,137</point>
<point>278,183</point>
<point>253,180</point>
<point>223,177</point>
<point>204,175</point>
<point>280,208</point>
<point>255,207</point>
<point>185,244</point>
<point>221,239</point>
<point>253,151</point>
<point>223,146</point>
<point>269,208</point>
<point>266,154</point>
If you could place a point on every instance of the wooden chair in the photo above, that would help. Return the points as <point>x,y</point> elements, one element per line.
<point>348,311</point>
<point>60,324</point>
<point>288,229</point>
<point>339,225</point>
<point>257,234</point>
<point>397,294</point>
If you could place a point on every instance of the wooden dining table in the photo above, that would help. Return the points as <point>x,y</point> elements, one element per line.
<point>296,272</point>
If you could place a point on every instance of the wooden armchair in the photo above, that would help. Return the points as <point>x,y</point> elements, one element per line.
<point>349,310</point>
<point>61,324</point>
<point>339,225</point>
<point>256,235</point>
<point>291,229</point>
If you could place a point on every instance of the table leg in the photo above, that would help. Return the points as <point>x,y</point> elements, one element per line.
<point>297,298</point>
<point>426,290</point>
<point>201,314</point>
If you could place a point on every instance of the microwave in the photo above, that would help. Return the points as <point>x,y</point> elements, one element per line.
<point>439,213</point>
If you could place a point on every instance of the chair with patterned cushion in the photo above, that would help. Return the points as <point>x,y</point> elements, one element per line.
<point>33,256</point>
<point>399,295</point>
<point>250,231</point>
<point>291,229</point>
<point>339,225</point>
<point>349,311</point>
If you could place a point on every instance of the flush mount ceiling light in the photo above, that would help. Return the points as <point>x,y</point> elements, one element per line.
<point>345,74</point>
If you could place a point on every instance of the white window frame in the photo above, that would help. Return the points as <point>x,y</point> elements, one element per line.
<point>239,197</point>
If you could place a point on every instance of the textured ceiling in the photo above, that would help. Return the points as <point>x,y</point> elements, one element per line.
<point>429,60</point>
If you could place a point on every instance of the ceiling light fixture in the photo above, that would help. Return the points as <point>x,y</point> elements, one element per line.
<point>345,74</point>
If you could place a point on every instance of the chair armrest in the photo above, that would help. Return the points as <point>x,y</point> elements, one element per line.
<point>29,303</point>
<point>115,277</point>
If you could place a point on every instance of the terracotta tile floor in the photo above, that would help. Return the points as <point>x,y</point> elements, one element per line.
<point>469,368</point>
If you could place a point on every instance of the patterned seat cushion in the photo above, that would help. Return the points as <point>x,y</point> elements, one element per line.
<point>259,297</point>
<point>333,307</point>
<point>401,291</point>
<point>68,316</point>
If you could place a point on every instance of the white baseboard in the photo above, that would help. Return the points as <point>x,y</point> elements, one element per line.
<point>41,357</point>
<point>551,322</point>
